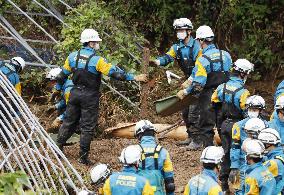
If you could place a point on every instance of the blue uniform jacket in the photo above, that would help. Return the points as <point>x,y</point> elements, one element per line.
<point>172,54</point>
<point>202,65</point>
<point>203,184</point>
<point>165,167</point>
<point>240,97</point>
<point>278,125</point>
<point>97,65</point>
<point>65,94</point>
<point>127,182</point>
<point>10,71</point>
<point>279,91</point>
<point>237,155</point>
<point>259,181</point>
<point>274,163</point>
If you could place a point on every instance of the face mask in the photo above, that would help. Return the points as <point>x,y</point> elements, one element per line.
<point>181,35</point>
<point>253,114</point>
<point>97,46</point>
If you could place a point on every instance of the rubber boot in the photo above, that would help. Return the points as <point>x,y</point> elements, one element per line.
<point>84,158</point>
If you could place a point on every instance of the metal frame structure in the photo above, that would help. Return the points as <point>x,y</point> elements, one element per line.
<point>52,12</point>
<point>25,145</point>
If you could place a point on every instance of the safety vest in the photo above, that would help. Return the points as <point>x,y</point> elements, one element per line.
<point>83,77</point>
<point>229,109</point>
<point>153,175</point>
<point>215,78</point>
<point>186,65</point>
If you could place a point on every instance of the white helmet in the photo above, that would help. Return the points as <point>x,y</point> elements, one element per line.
<point>243,66</point>
<point>89,35</point>
<point>212,154</point>
<point>253,126</point>
<point>100,173</point>
<point>131,155</point>
<point>254,148</point>
<point>255,101</point>
<point>20,62</point>
<point>279,103</point>
<point>204,32</point>
<point>269,136</point>
<point>142,126</point>
<point>182,23</point>
<point>53,73</point>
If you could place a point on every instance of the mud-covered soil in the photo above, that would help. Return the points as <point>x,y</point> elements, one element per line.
<point>114,111</point>
<point>186,163</point>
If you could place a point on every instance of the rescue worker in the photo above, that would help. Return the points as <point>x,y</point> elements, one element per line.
<point>258,179</point>
<point>211,69</point>
<point>207,181</point>
<point>274,156</point>
<point>277,120</point>
<point>12,69</point>
<point>156,165</point>
<point>185,52</point>
<point>99,174</point>
<point>229,99</point>
<point>64,90</point>
<point>242,130</point>
<point>279,91</point>
<point>87,69</point>
<point>128,181</point>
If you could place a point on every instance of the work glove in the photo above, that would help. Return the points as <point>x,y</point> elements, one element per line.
<point>154,62</point>
<point>217,138</point>
<point>181,94</point>
<point>56,123</point>
<point>234,176</point>
<point>186,84</point>
<point>51,108</point>
<point>141,77</point>
<point>53,95</point>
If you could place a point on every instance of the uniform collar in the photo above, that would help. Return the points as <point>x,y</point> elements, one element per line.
<point>250,168</point>
<point>237,79</point>
<point>89,48</point>
<point>210,173</point>
<point>275,152</point>
<point>129,169</point>
<point>209,47</point>
<point>148,140</point>
<point>189,44</point>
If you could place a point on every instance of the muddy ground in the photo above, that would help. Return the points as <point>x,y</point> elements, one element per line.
<point>186,163</point>
<point>112,111</point>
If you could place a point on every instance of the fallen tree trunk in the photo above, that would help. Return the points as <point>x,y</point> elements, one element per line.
<point>126,130</point>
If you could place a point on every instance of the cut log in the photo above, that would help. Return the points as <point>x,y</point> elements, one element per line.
<point>126,130</point>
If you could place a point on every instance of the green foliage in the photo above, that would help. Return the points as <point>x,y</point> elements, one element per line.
<point>34,80</point>
<point>13,183</point>
<point>96,15</point>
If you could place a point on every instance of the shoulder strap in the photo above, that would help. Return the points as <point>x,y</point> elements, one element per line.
<point>191,51</point>
<point>156,156</point>
<point>77,59</point>
<point>235,92</point>
<point>88,61</point>
<point>221,61</point>
<point>210,61</point>
<point>224,91</point>
<point>143,157</point>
